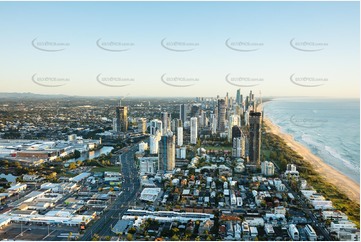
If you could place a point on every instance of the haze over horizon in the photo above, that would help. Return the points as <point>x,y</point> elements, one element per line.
<point>231,94</point>
<point>185,49</point>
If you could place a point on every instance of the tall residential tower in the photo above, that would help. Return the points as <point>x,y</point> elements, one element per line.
<point>254,137</point>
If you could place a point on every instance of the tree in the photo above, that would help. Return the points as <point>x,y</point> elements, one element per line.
<point>129,237</point>
<point>72,166</point>
<point>52,176</point>
<point>175,238</point>
<point>70,235</point>
<point>95,237</point>
<point>77,154</point>
<point>132,230</point>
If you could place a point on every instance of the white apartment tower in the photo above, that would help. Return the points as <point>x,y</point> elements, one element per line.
<point>194,131</point>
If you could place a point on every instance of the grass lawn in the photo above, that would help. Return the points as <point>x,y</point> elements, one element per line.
<point>66,174</point>
<point>109,168</point>
<point>266,153</point>
<point>217,147</point>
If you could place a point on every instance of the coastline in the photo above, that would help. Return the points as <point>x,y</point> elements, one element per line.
<point>341,181</point>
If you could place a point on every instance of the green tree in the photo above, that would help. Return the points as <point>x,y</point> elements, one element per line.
<point>175,238</point>
<point>129,237</point>
<point>95,237</point>
<point>77,154</point>
<point>132,230</point>
<point>72,166</point>
<point>70,235</point>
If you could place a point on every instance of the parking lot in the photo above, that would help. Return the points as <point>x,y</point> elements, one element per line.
<point>36,232</point>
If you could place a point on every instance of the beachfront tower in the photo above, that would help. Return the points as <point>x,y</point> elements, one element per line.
<point>254,137</point>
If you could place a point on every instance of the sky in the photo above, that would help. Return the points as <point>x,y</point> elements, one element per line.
<point>180,48</point>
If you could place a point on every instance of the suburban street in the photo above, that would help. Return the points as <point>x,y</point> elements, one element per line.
<point>315,224</point>
<point>130,187</point>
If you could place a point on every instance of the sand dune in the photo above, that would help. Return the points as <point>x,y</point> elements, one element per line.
<point>342,182</point>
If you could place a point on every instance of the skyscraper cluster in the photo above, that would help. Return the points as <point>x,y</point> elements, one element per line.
<point>234,120</point>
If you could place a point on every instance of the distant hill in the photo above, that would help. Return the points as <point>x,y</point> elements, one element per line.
<point>29,95</point>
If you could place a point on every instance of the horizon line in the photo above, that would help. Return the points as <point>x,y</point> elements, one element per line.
<point>142,96</point>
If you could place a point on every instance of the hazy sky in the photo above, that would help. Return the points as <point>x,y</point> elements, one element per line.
<point>180,48</point>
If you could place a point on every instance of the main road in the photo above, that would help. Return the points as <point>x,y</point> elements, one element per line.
<point>130,187</point>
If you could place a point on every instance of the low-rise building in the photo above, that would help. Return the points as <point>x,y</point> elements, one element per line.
<point>310,232</point>
<point>334,215</point>
<point>150,194</point>
<point>342,224</point>
<point>293,232</point>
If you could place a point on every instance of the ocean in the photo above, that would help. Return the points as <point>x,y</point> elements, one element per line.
<point>330,128</point>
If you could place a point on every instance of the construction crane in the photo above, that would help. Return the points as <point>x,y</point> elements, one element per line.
<point>120,101</point>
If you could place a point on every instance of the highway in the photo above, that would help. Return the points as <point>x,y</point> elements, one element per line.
<point>129,190</point>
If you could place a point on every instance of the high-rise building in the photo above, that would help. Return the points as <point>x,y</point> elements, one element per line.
<point>251,96</point>
<point>115,127</point>
<point>238,142</point>
<point>142,147</point>
<point>202,119</point>
<point>236,132</point>
<point>194,130</point>
<point>238,97</point>
<point>154,126</point>
<point>234,120</point>
<point>246,118</point>
<point>221,116</point>
<point>226,100</point>
<point>267,168</point>
<point>213,120</point>
<point>175,124</point>
<point>166,120</point>
<point>181,152</point>
<point>154,142</point>
<point>166,152</point>
<point>121,113</point>
<point>255,137</point>
<point>195,109</point>
<point>148,165</point>
<point>142,125</point>
<point>180,136</point>
<point>183,113</point>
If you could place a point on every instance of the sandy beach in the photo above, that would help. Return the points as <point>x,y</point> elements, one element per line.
<point>342,182</point>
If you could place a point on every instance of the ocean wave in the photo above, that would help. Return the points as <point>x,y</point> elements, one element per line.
<point>338,147</point>
<point>338,156</point>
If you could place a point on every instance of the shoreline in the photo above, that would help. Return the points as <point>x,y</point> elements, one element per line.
<point>345,184</point>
